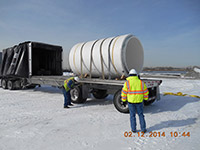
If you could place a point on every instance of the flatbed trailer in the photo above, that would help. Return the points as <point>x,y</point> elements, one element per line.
<point>99,88</point>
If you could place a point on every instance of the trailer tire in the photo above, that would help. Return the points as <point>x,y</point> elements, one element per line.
<point>100,94</point>
<point>76,95</point>
<point>32,86</point>
<point>146,103</point>
<point>118,103</point>
<point>10,85</point>
<point>4,84</point>
<point>18,85</point>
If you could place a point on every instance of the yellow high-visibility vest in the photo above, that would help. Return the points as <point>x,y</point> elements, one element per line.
<point>65,84</point>
<point>134,90</point>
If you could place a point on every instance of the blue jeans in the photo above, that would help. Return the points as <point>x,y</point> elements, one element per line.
<point>67,97</point>
<point>132,109</point>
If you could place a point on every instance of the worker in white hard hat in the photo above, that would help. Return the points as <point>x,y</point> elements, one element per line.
<point>135,91</point>
<point>68,85</point>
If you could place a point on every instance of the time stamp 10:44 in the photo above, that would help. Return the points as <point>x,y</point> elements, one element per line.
<point>157,134</point>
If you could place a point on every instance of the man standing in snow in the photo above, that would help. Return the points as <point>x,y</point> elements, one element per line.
<point>68,85</point>
<point>135,91</point>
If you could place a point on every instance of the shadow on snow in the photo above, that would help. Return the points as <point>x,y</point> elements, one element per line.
<point>169,103</point>
<point>173,123</point>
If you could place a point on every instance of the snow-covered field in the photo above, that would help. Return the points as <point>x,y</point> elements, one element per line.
<point>35,119</point>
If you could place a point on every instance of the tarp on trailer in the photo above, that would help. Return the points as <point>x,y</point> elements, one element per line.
<point>15,60</point>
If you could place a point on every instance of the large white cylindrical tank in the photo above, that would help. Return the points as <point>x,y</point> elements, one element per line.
<point>109,57</point>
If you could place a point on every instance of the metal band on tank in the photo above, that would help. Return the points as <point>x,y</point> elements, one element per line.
<point>74,58</point>
<point>82,59</point>
<point>123,59</point>
<point>102,69</point>
<point>113,55</point>
<point>109,73</point>
<point>91,58</point>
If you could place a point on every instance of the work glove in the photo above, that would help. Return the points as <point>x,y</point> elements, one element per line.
<point>124,103</point>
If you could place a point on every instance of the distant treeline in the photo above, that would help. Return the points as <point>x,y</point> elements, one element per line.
<point>167,68</point>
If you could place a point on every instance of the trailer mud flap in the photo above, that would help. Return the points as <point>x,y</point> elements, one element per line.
<point>85,91</point>
<point>158,93</point>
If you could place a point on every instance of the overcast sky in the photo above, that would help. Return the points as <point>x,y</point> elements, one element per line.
<point>169,30</point>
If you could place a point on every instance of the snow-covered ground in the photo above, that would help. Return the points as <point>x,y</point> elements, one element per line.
<point>35,119</point>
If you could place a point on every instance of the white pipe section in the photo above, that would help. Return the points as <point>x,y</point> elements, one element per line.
<point>113,56</point>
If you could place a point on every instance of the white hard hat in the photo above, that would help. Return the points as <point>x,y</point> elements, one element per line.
<point>76,78</point>
<point>132,71</point>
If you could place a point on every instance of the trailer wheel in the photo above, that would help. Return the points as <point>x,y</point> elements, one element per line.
<point>18,84</point>
<point>76,95</point>
<point>119,104</point>
<point>146,103</point>
<point>100,94</point>
<point>4,84</point>
<point>10,85</point>
<point>32,86</point>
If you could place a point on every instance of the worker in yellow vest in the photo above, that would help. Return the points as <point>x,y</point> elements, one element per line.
<point>68,85</point>
<point>135,91</point>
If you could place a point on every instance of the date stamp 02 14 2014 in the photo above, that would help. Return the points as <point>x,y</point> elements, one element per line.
<point>157,134</point>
